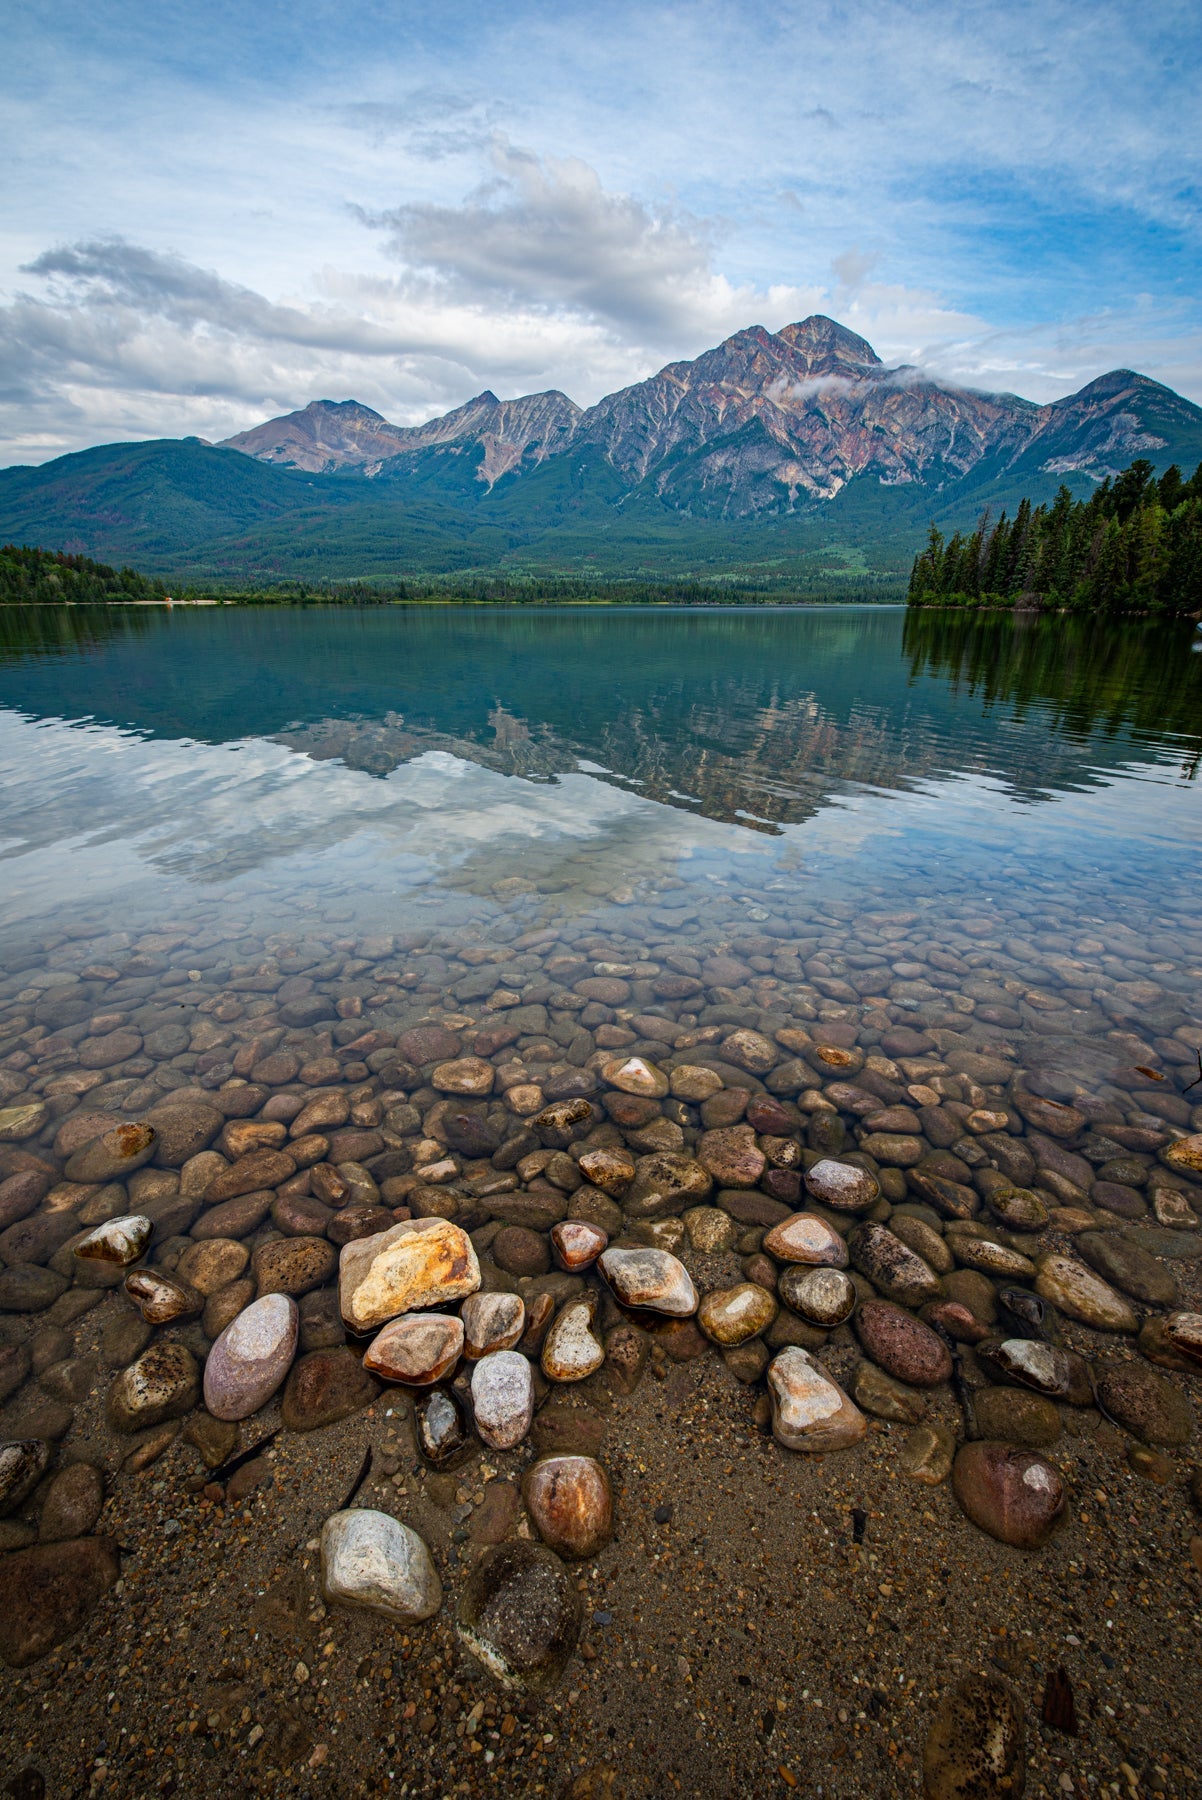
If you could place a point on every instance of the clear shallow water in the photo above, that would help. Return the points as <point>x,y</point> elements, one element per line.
<point>687,777</point>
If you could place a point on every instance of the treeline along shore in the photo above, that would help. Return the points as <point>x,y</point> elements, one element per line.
<point>1134,547</point>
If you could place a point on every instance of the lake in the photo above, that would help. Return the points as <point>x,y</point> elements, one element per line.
<point>571,931</point>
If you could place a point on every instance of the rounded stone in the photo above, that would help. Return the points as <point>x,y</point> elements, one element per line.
<point>976,1747</point>
<point>1017,1208</point>
<point>465,1075</point>
<point>163,1384</point>
<point>22,1465</point>
<point>212,1264</point>
<point>50,1592</point>
<point>735,1315</point>
<point>1183,1331</point>
<point>710,1230</point>
<point>610,1170</point>
<point>73,1504</point>
<point>570,1350</point>
<point>892,1267</point>
<point>990,1258</point>
<point>732,1156</point>
<point>520,1251</point>
<point>223,1307</point>
<point>1016,1416</point>
<point>927,1455</point>
<point>114,1155</point>
<point>577,1244</point>
<point>1082,1295</point>
<point>824,1297</point>
<point>441,1428</point>
<point>183,1131</point>
<point>570,1501</point>
<point>372,1561</point>
<point>886,1398</point>
<point>416,1349</point>
<point>520,1615</point>
<point>635,1075</point>
<point>492,1322</point>
<point>20,1122</point>
<point>1145,1403</point>
<point>293,1265</point>
<point>1044,1368</point>
<point>810,1411</point>
<point>1132,1270</point>
<point>119,1241</point>
<point>902,1345</point>
<point>251,1358</point>
<point>652,1279</point>
<point>806,1238</point>
<point>159,1299</point>
<point>842,1186</point>
<point>1014,1495</point>
<point>1185,1155</point>
<point>503,1398</point>
<point>325,1386</point>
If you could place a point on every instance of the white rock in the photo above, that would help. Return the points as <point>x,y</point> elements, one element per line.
<point>492,1322</point>
<point>570,1351</point>
<point>118,1241</point>
<point>503,1398</point>
<point>372,1560</point>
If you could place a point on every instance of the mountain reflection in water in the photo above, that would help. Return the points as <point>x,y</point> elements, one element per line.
<point>756,717</point>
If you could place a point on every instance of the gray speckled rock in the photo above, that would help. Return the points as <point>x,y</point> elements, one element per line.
<point>503,1398</point>
<point>251,1357</point>
<point>520,1614</point>
<point>371,1560</point>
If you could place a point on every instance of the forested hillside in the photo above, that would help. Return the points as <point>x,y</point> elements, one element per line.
<point>1135,546</point>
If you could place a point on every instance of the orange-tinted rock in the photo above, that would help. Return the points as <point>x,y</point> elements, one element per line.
<point>261,1169</point>
<point>571,1503</point>
<point>417,1263</point>
<point>610,1170</point>
<point>902,1345</point>
<point>417,1349</point>
<point>805,1238</point>
<point>577,1244</point>
<point>735,1315</point>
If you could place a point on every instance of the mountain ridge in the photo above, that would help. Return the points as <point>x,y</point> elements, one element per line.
<point>795,456</point>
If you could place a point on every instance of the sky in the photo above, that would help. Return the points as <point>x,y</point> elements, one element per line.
<point>216,212</point>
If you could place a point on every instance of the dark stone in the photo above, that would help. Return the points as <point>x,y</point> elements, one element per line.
<point>521,1252</point>
<point>1144,1403</point>
<point>440,1421</point>
<point>520,1614</point>
<point>902,1345</point>
<point>50,1591</point>
<point>29,1289</point>
<point>325,1386</point>
<point>1014,1495</point>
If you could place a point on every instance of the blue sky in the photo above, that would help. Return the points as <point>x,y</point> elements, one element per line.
<point>215,213</point>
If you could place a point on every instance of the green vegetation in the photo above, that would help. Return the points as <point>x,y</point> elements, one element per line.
<point>37,577</point>
<point>1135,546</point>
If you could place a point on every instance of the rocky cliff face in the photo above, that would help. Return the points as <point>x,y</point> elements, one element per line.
<point>765,423</point>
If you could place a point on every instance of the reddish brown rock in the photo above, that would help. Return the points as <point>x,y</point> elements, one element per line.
<point>261,1169</point>
<point>577,1244</point>
<point>418,1349</point>
<point>732,1156</point>
<point>902,1345</point>
<point>1014,1495</point>
<point>293,1265</point>
<point>50,1592</point>
<point>570,1502</point>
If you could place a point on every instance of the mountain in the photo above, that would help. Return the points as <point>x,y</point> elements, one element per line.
<point>791,456</point>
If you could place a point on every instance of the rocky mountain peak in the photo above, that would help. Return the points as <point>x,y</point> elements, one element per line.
<point>828,348</point>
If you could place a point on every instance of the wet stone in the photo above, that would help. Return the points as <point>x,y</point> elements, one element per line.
<point>651,1279</point>
<point>577,1244</point>
<point>114,1155</point>
<point>1184,1333</point>
<point>610,1170</point>
<point>503,1398</point>
<point>120,1241</point>
<point>1127,1267</point>
<point>635,1075</point>
<point>418,1263</point>
<point>325,1386</point>
<point>520,1615</point>
<point>902,1345</point>
<point>927,1455</point>
<point>163,1384</point>
<point>570,1502</point>
<point>492,1322</point>
<point>372,1561</point>
<point>823,1297</point>
<point>989,1257</point>
<point>251,1358</point>
<point>1144,1403</point>
<point>1080,1294</point>
<point>734,1315</point>
<point>73,1503</point>
<point>22,1465</point>
<point>441,1426</point>
<point>1044,1368</point>
<point>732,1157</point>
<point>50,1592</point>
<point>976,1747</point>
<point>1014,1495</point>
<point>520,1251</point>
<point>891,1266</point>
<point>842,1186</point>
<point>223,1307</point>
<point>571,1350</point>
<point>810,1411</point>
<point>1016,1416</point>
<point>293,1266</point>
<point>26,1288</point>
<point>159,1299</point>
<point>710,1230</point>
<point>806,1238</point>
